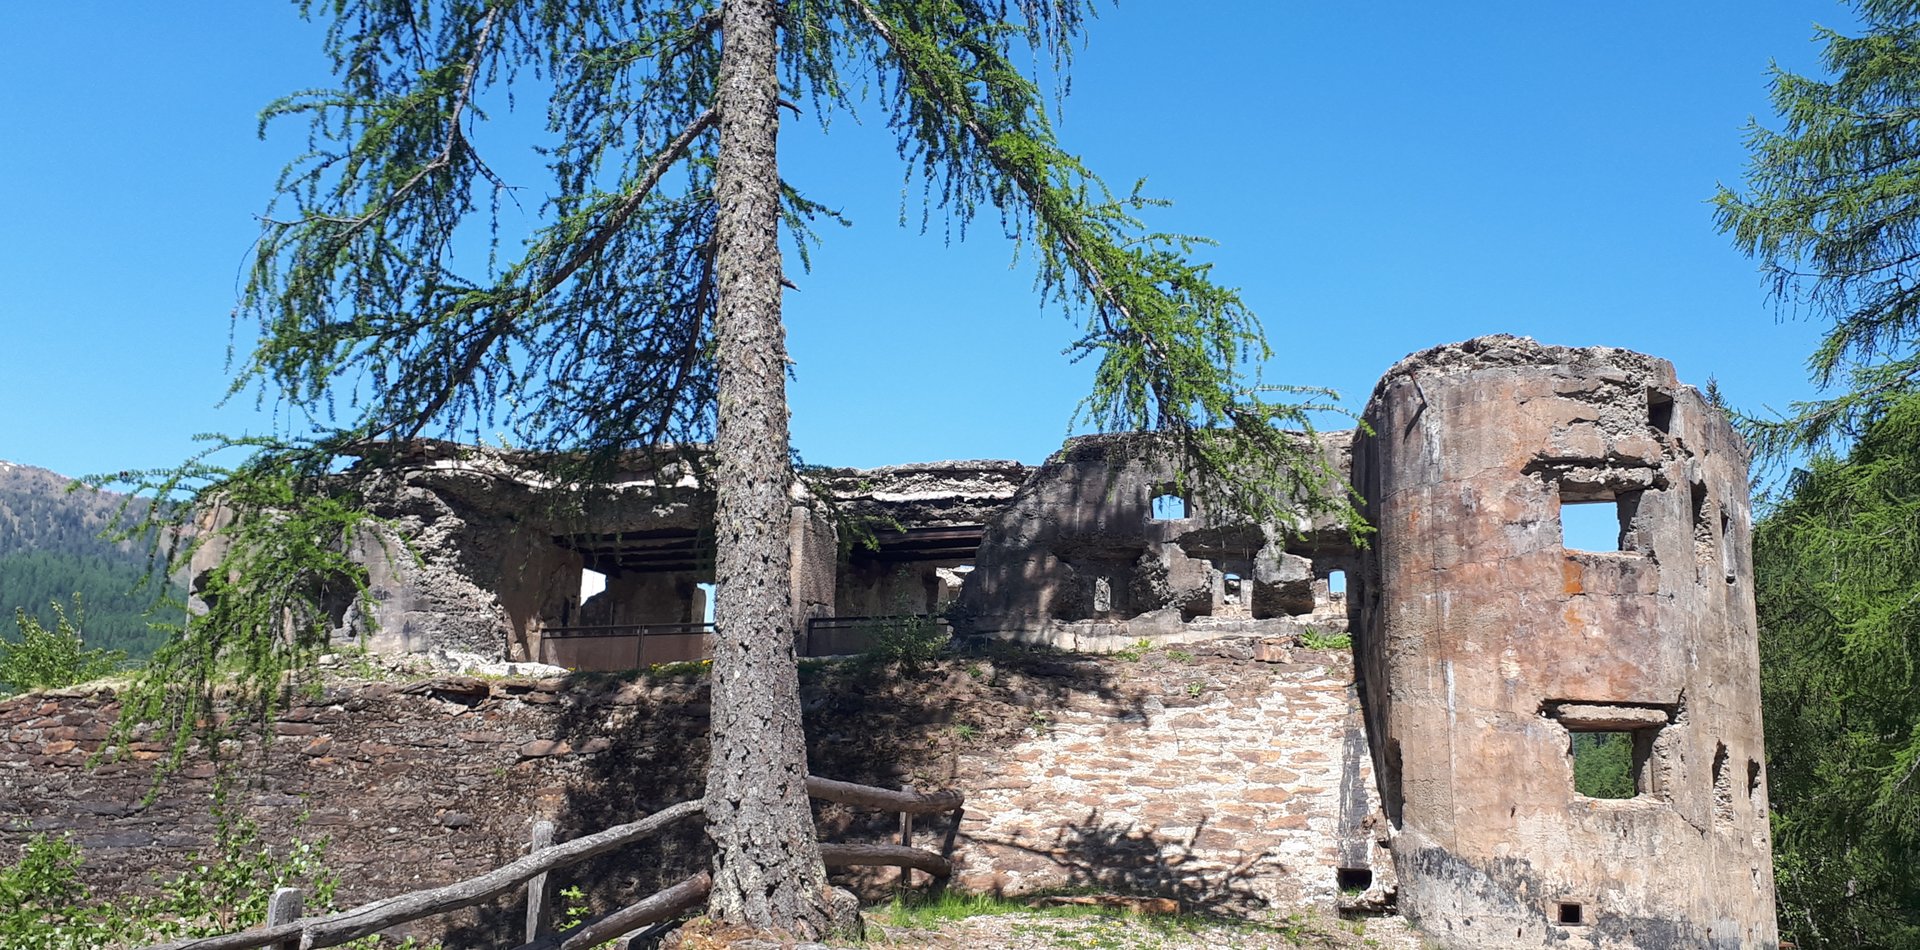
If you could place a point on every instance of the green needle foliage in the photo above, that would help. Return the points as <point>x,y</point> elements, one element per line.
<point>395,299</point>
<point>1832,209</point>
<point>1839,603</point>
<point>1829,208</point>
<point>1603,764</point>
<point>596,338</point>
<point>278,532</point>
<point>389,304</point>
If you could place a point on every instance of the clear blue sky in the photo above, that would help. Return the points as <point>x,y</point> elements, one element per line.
<point>1381,178</point>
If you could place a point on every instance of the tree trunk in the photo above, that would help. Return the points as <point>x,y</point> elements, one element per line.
<point>767,873</point>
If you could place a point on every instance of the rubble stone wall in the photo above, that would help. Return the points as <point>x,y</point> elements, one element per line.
<point>1230,774</point>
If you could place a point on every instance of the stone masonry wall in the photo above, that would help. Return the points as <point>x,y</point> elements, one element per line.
<point>1231,774</point>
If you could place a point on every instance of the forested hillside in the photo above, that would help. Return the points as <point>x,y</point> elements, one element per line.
<point>50,549</point>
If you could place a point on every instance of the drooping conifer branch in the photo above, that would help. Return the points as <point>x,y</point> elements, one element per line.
<point>604,230</point>
<point>1170,342</point>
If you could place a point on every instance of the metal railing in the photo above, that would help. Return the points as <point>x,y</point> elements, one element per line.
<point>629,646</point>
<point>844,636</point>
<point>625,646</point>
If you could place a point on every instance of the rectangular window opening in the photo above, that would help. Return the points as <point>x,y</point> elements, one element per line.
<point>708,592</point>
<point>1726,546</point>
<point>1659,410</point>
<point>1353,880</point>
<point>1572,914</point>
<point>1722,786</point>
<point>1336,582</point>
<point>591,582</point>
<point>1604,765</point>
<point>1594,525</point>
<point>1169,507</point>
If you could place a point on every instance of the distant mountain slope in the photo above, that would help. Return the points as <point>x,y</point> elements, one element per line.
<point>50,549</point>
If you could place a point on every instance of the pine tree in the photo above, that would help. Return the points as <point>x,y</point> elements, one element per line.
<point>645,310</point>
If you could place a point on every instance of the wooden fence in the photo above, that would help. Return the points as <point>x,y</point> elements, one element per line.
<point>286,929</point>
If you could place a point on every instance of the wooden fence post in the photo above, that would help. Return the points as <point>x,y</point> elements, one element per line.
<point>538,916</point>
<point>906,838</point>
<point>285,907</point>
<point>947,846</point>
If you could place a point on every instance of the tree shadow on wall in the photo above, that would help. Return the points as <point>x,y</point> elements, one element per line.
<point>640,744</point>
<point>1118,857</point>
<point>637,747</point>
<point>893,728</point>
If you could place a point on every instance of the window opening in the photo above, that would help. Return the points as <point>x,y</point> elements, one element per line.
<point>1353,880</point>
<point>591,582</point>
<point>1753,788</point>
<point>1722,786</point>
<point>1336,582</point>
<point>1230,585</point>
<point>1703,547</point>
<point>1591,525</point>
<point>1169,507</point>
<point>707,591</point>
<point>1660,410</point>
<point>1572,914</point>
<point>1726,545</point>
<point>1603,765</point>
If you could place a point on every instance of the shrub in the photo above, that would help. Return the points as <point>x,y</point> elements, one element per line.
<point>43,658</point>
<point>45,905</point>
<point>907,641</point>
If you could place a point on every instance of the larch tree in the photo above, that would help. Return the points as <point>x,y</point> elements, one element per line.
<point>1831,207</point>
<point>644,310</point>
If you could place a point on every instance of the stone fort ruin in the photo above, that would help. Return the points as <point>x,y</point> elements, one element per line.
<point>1491,646</point>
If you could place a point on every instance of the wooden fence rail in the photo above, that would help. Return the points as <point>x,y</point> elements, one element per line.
<point>286,930</point>
<point>666,904</point>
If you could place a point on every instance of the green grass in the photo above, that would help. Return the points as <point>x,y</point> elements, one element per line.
<point>929,912</point>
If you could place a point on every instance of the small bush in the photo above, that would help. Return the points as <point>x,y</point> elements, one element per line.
<point>1317,639</point>
<point>45,905</point>
<point>909,642</point>
<point>42,902</point>
<point>45,659</point>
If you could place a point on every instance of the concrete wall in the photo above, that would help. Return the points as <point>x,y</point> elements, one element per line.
<point>1080,559</point>
<point>1486,641</point>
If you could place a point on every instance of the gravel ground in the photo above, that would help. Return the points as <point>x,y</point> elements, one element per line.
<point>1115,932</point>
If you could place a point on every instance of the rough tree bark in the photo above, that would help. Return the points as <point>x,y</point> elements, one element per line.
<point>767,873</point>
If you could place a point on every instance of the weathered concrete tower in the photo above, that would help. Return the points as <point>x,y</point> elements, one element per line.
<point>1495,657</point>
